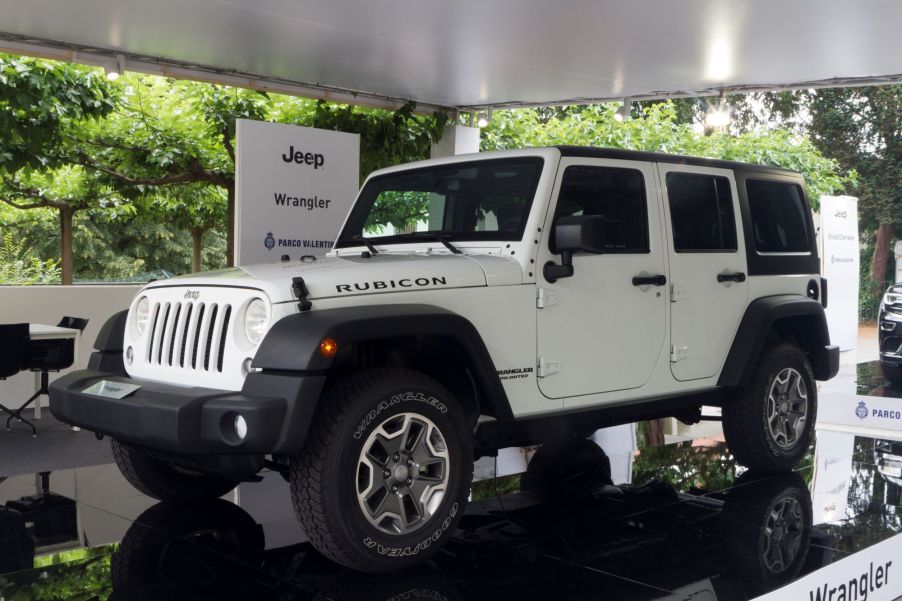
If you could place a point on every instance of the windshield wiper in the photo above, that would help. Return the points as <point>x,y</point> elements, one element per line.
<point>438,237</point>
<point>365,242</point>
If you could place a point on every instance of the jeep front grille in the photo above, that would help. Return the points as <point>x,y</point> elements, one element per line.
<point>188,335</point>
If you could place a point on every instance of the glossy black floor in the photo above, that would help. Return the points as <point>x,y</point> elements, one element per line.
<point>690,525</point>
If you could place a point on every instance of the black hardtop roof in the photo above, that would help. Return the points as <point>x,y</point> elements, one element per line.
<point>660,157</point>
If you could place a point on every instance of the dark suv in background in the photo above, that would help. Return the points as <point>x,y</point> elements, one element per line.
<point>890,326</point>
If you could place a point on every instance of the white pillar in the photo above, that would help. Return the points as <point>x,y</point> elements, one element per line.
<point>457,139</point>
<point>898,262</point>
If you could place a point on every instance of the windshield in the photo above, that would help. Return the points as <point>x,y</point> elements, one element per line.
<point>479,200</point>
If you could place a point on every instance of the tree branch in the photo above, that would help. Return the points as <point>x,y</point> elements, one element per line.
<point>42,200</point>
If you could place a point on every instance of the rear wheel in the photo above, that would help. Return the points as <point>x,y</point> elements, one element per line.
<point>769,426</point>
<point>767,529</point>
<point>165,482</point>
<point>385,474</point>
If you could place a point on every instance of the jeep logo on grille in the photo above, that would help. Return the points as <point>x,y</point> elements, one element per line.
<point>192,294</point>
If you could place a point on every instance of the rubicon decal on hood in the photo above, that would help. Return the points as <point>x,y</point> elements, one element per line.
<point>421,282</point>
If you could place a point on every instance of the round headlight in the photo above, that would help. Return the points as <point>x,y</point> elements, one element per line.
<point>255,321</point>
<point>142,314</point>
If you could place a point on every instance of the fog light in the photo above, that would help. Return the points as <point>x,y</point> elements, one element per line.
<point>240,427</point>
<point>129,355</point>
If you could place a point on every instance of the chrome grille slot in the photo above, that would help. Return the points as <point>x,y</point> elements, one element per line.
<point>189,335</point>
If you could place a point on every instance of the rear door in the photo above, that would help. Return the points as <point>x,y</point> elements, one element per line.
<point>709,283</point>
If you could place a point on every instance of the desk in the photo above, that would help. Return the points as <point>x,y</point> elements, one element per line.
<point>39,331</point>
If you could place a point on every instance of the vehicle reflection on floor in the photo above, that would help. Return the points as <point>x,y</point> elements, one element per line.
<point>688,524</point>
<point>716,546</point>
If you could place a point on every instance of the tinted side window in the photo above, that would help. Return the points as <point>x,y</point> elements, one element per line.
<point>617,194</point>
<point>779,216</point>
<point>701,212</point>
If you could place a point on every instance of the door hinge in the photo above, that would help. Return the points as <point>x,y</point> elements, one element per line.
<point>546,298</point>
<point>677,292</point>
<point>547,366</point>
<point>678,353</point>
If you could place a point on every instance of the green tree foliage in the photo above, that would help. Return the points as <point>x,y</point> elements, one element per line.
<point>41,103</point>
<point>660,128</point>
<point>39,100</point>
<point>152,152</point>
<point>861,128</point>
<point>19,267</point>
<point>66,189</point>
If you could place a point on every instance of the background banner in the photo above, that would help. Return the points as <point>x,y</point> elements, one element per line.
<point>294,186</point>
<point>839,259</point>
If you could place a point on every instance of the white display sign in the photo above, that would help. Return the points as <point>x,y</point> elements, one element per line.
<point>874,574</point>
<point>832,466</point>
<point>294,186</point>
<point>872,416</point>
<point>840,266</point>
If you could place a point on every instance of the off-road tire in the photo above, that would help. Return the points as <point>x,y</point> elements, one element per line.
<point>745,422</point>
<point>161,481</point>
<point>567,470</point>
<point>893,373</point>
<point>755,500</point>
<point>324,474</point>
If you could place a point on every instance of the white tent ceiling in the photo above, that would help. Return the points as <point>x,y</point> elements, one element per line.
<point>475,53</point>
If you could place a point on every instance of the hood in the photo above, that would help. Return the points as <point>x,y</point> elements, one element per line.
<point>328,277</point>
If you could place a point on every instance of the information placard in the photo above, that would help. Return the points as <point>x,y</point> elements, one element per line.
<point>294,185</point>
<point>840,259</point>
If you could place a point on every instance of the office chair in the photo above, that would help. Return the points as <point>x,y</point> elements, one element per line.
<point>13,341</point>
<point>45,356</point>
<point>73,323</point>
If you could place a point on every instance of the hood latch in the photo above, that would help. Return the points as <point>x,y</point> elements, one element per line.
<point>299,288</point>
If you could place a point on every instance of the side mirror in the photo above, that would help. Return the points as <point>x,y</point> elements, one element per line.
<point>579,233</point>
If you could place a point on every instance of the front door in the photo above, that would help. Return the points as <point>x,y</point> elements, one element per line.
<point>600,330</point>
<point>708,279</point>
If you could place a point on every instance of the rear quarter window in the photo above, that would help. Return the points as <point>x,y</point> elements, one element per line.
<point>779,214</point>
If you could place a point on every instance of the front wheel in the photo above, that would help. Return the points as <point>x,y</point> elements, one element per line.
<point>385,474</point>
<point>769,426</point>
<point>165,482</point>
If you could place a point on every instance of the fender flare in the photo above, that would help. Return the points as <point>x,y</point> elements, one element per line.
<point>756,326</point>
<point>292,344</point>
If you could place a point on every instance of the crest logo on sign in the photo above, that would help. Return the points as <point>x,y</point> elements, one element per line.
<point>269,242</point>
<point>862,410</point>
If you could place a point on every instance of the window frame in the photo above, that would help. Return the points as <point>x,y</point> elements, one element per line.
<point>732,205</point>
<point>344,241</point>
<point>751,225</point>
<point>552,243</point>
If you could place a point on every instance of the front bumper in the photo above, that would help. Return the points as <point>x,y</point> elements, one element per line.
<point>278,409</point>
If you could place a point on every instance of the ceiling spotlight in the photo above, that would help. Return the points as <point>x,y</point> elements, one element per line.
<point>623,111</point>
<point>115,68</point>
<point>718,116</point>
<point>482,119</point>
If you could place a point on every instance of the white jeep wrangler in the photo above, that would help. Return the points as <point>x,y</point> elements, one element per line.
<point>470,304</point>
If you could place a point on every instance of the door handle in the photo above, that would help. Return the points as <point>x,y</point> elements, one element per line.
<point>649,280</point>
<point>731,277</point>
